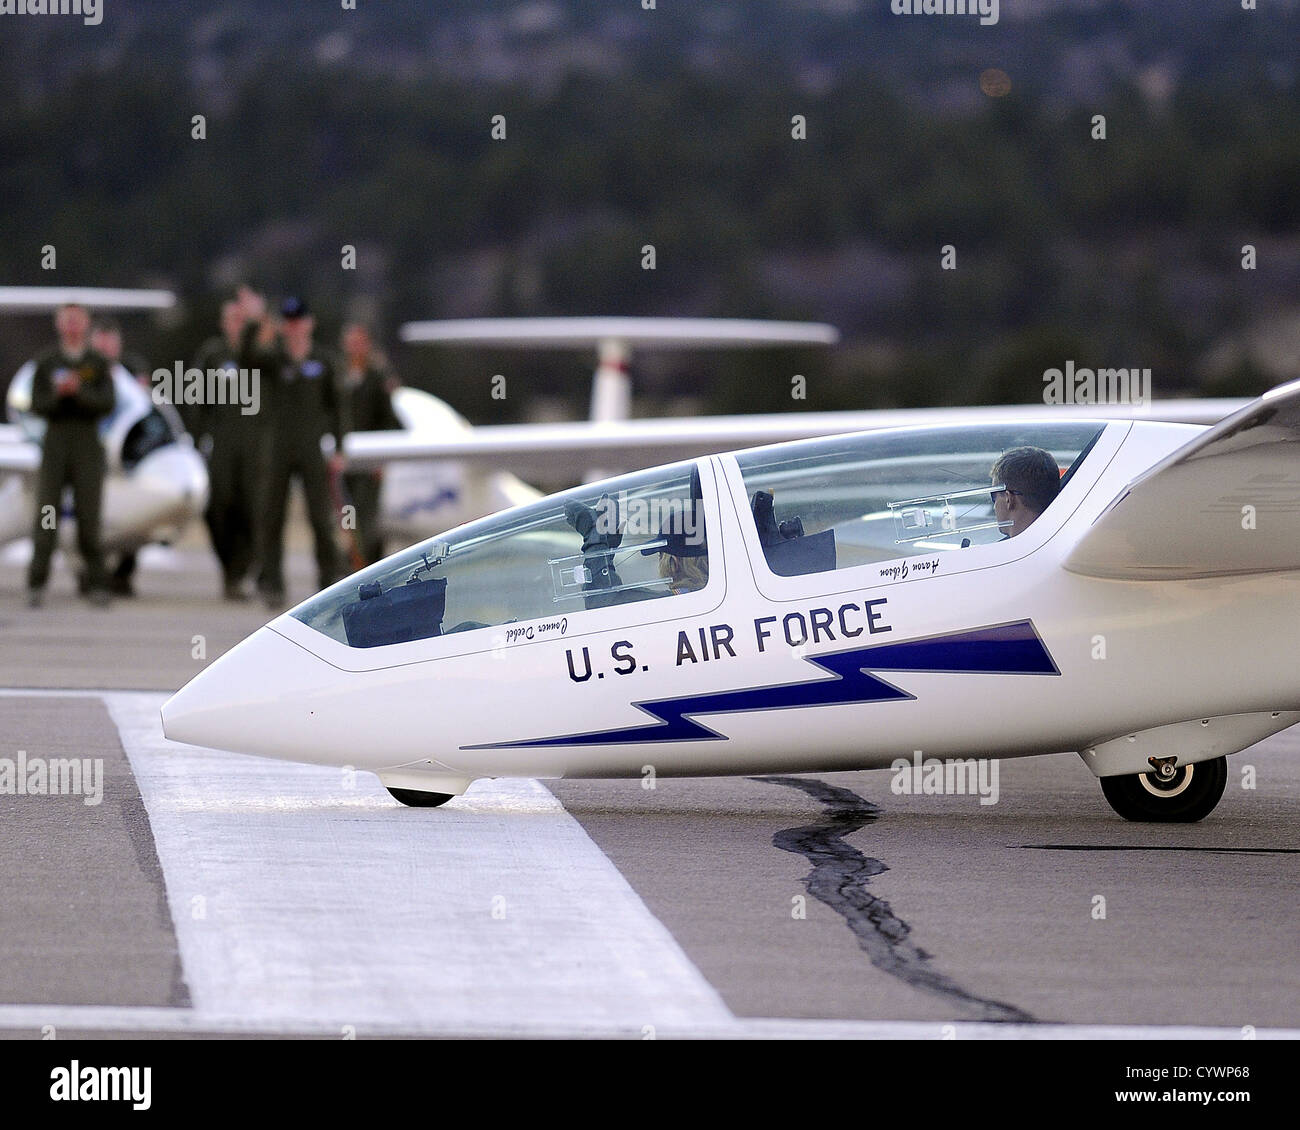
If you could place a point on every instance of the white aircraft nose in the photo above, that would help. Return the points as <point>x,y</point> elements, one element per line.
<point>261,697</point>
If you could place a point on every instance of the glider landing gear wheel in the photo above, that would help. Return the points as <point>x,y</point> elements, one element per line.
<point>1187,794</point>
<point>414,798</point>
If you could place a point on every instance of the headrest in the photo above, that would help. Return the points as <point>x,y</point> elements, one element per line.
<point>681,538</point>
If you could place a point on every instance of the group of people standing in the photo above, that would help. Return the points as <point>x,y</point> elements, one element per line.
<point>305,392</point>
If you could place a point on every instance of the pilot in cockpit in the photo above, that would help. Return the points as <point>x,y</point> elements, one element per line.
<point>683,550</point>
<point>685,568</point>
<point>1025,482</point>
<point>680,547</point>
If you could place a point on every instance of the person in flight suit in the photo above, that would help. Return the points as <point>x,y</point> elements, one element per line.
<point>369,385</point>
<point>231,440</point>
<point>72,390</point>
<point>299,387</point>
<point>106,340</point>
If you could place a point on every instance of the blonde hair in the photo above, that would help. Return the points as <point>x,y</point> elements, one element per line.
<point>685,574</point>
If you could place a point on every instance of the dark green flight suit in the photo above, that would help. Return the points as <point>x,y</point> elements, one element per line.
<point>122,580</point>
<point>301,402</point>
<point>234,447</point>
<point>370,409</point>
<point>71,455</point>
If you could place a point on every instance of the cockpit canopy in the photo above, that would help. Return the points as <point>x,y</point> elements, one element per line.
<point>816,506</point>
<point>846,501</point>
<point>635,538</point>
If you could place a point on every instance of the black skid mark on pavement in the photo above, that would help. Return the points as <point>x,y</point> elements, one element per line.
<point>839,879</point>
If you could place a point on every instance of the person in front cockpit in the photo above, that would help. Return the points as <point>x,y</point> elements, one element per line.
<point>684,573</point>
<point>1025,481</point>
<point>683,552</point>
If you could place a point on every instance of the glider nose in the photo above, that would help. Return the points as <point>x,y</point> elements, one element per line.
<point>258,698</point>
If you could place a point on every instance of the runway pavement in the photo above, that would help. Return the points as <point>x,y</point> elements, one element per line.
<point>211,894</point>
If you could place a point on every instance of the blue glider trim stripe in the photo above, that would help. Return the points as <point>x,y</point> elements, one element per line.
<point>1002,649</point>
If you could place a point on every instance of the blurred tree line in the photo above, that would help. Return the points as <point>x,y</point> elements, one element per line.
<point>1123,251</point>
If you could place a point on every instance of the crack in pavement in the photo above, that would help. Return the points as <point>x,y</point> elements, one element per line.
<point>839,879</point>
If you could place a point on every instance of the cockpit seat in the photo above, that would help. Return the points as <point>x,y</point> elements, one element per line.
<point>789,551</point>
<point>408,612</point>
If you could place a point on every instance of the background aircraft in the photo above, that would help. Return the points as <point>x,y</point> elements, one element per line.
<point>429,486</point>
<point>156,482</point>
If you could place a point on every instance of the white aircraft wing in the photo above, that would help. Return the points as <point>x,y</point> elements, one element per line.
<point>614,338</point>
<point>39,299</point>
<point>576,333</point>
<point>566,450</point>
<point>1226,503</point>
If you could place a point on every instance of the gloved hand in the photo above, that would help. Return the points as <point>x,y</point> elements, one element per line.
<point>598,527</point>
<point>582,518</point>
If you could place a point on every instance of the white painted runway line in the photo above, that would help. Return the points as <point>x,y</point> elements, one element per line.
<point>301,897</point>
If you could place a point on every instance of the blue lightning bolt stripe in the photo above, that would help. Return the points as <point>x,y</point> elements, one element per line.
<point>1002,649</point>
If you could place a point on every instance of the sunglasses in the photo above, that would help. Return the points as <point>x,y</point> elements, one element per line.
<point>993,494</point>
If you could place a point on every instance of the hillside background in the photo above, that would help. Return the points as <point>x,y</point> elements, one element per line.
<point>672,127</point>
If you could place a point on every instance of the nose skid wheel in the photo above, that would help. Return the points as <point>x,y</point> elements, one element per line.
<point>414,798</point>
<point>1169,795</point>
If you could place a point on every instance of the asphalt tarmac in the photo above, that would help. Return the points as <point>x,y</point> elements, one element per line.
<point>206,894</point>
